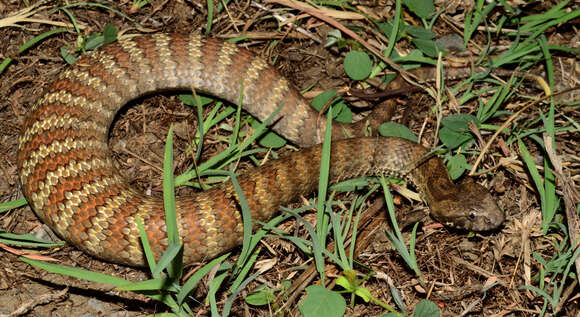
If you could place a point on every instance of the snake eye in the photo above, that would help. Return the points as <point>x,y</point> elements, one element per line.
<point>472,215</point>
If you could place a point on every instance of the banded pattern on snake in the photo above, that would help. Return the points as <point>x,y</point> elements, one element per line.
<point>69,178</point>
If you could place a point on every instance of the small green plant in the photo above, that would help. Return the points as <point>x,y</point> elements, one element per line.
<point>264,295</point>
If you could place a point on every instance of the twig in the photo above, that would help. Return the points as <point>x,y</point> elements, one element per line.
<point>40,300</point>
<point>321,14</point>
<point>367,217</point>
<point>505,124</point>
<point>282,19</point>
<point>571,198</point>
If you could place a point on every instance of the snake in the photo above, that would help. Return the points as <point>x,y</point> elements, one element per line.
<point>70,179</point>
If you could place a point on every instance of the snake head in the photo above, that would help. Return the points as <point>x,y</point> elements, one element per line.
<point>471,208</point>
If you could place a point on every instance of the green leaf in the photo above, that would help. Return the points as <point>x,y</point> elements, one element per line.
<point>332,38</point>
<point>149,255</point>
<point>426,308</point>
<point>40,38</point>
<point>109,34</point>
<point>5,64</point>
<point>319,101</point>
<point>67,56</point>
<point>357,65</point>
<point>270,138</point>
<point>422,8</point>
<point>168,256</point>
<point>93,41</point>
<point>350,185</point>
<point>147,285</point>
<point>457,164</point>
<point>459,122</point>
<point>345,283</point>
<point>322,302</point>
<point>340,111</point>
<point>189,99</point>
<point>197,276</point>
<point>215,284</point>
<point>453,139</point>
<point>322,219</point>
<point>429,47</point>
<point>169,189</point>
<point>387,29</point>
<point>172,261</point>
<point>261,297</point>
<point>26,240</point>
<point>455,131</point>
<point>397,130</point>
<point>78,273</point>
<point>12,204</point>
<point>363,293</point>
<point>420,33</point>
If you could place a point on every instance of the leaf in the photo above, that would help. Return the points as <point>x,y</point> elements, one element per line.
<point>78,273</point>
<point>350,282</point>
<point>260,298</point>
<point>426,308</point>
<point>397,130</point>
<point>420,33</point>
<point>453,139</point>
<point>363,293</point>
<point>319,101</point>
<point>357,65</point>
<point>39,38</point>
<point>26,240</point>
<point>109,34</point>
<point>387,29</point>
<point>457,164</point>
<point>350,185</point>
<point>67,56</point>
<point>147,285</point>
<point>455,131</point>
<point>332,38</point>
<point>340,111</point>
<point>422,8</point>
<point>345,283</point>
<point>189,99</point>
<point>192,281</point>
<point>93,41</point>
<point>167,257</point>
<point>270,138</point>
<point>428,47</point>
<point>12,204</point>
<point>459,122</point>
<point>320,301</point>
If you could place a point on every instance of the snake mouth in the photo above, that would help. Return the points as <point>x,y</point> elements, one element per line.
<point>486,224</point>
<point>477,221</point>
<point>476,213</point>
<point>473,208</point>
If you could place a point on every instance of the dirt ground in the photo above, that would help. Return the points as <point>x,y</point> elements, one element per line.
<point>455,265</point>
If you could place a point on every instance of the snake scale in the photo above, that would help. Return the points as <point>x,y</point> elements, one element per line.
<point>69,177</point>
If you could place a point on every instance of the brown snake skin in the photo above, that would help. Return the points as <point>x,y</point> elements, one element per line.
<point>69,177</point>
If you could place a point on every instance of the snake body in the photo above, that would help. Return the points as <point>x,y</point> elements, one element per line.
<point>69,178</point>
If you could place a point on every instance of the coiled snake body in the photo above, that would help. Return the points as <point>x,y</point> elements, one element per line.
<point>69,178</point>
